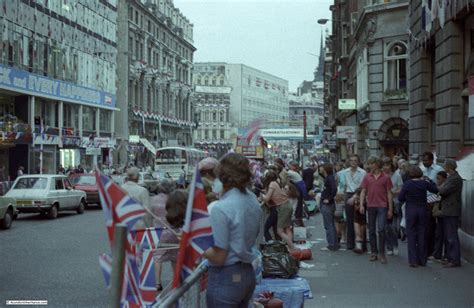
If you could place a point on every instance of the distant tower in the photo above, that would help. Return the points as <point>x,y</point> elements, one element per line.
<point>319,71</point>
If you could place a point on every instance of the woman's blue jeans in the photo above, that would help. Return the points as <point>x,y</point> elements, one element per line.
<point>230,285</point>
<point>327,210</point>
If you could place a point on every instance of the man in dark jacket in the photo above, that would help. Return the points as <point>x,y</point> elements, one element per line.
<point>451,193</point>
<point>308,176</point>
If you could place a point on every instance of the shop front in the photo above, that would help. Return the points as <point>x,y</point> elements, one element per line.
<point>97,152</point>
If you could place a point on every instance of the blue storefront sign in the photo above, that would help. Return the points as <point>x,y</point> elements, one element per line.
<point>18,80</point>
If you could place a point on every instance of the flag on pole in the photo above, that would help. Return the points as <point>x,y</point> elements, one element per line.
<point>252,134</point>
<point>117,205</point>
<point>105,261</point>
<point>197,232</point>
<point>148,238</point>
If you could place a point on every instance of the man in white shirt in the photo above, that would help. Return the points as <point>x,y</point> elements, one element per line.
<point>138,193</point>
<point>353,177</point>
<point>430,171</point>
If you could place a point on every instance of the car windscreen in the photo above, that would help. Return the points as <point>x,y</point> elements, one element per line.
<point>31,183</point>
<point>83,180</point>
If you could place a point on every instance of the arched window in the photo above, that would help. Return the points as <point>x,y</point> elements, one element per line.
<point>214,81</point>
<point>206,81</point>
<point>198,81</point>
<point>396,67</point>
<point>222,81</point>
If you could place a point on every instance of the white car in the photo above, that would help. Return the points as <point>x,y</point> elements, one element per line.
<point>46,194</point>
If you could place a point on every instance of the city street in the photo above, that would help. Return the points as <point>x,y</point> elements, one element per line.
<point>56,260</point>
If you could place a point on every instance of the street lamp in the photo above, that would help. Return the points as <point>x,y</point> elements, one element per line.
<point>324,21</point>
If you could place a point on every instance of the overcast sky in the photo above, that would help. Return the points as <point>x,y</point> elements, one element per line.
<point>274,36</point>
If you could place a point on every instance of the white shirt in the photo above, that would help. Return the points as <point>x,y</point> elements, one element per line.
<point>432,171</point>
<point>353,180</point>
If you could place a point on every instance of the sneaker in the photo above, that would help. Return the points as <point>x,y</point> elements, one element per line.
<point>413,265</point>
<point>358,251</point>
<point>383,259</point>
<point>373,257</point>
<point>324,249</point>
<point>396,252</point>
<point>390,252</point>
<point>431,258</point>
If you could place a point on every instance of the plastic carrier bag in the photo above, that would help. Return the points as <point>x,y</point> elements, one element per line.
<point>277,261</point>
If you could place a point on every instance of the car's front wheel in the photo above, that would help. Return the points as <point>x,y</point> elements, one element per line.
<point>82,206</point>
<point>6,222</point>
<point>53,212</point>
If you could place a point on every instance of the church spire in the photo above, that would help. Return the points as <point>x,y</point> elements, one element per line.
<point>319,72</point>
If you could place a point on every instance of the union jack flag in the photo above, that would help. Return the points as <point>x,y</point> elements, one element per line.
<point>147,276</point>
<point>105,261</point>
<point>139,288</point>
<point>118,207</point>
<point>148,238</point>
<point>197,232</point>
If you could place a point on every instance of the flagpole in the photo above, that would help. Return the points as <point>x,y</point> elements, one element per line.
<point>186,227</point>
<point>118,262</point>
<point>41,147</point>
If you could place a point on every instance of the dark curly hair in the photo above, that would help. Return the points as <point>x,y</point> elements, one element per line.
<point>176,208</point>
<point>234,172</point>
<point>271,176</point>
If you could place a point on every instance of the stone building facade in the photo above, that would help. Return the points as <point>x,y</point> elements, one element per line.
<point>369,59</point>
<point>307,99</point>
<point>442,92</point>
<point>254,94</point>
<point>155,74</point>
<point>211,106</point>
<point>57,84</point>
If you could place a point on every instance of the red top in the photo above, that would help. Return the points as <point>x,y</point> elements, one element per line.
<point>377,189</point>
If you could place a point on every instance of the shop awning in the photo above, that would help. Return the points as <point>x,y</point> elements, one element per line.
<point>148,145</point>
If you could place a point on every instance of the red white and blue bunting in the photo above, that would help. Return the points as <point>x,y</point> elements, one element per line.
<point>161,118</point>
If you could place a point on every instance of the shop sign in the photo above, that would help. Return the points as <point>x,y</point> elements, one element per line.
<point>98,142</point>
<point>92,151</point>
<point>134,139</point>
<point>22,81</point>
<point>345,132</point>
<point>46,139</point>
<point>347,104</point>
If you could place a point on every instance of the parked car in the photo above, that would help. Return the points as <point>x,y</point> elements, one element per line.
<point>147,180</point>
<point>8,212</point>
<point>46,194</point>
<point>88,184</point>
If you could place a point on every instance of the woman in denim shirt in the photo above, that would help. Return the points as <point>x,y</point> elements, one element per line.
<point>235,221</point>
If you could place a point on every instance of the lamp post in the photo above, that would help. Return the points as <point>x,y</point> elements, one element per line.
<point>323,21</point>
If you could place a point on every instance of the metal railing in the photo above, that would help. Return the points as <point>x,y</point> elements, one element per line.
<point>192,293</point>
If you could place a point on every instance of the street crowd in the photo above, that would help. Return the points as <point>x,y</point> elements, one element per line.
<point>388,198</point>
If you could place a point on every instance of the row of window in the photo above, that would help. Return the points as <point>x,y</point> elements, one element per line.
<point>49,112</point>
<point>53,59</point>
<point>214,116</point>
<point>213,134</point>
<point>209,81</point>
<point>155,97</point>
<point>159,33</point>
<point>179,71</point>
